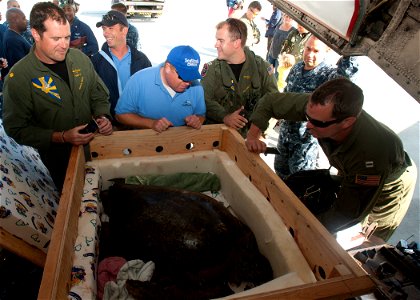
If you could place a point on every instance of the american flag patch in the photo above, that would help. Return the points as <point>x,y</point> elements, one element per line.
<point>371,180</point>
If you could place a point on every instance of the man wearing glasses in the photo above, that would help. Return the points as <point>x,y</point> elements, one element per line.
<point>377,176</point>
<point>254,34</point>
<point>235,81</point>
<point>298,149</point>
<point>166,95</point>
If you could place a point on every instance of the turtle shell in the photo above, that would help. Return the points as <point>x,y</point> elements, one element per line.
<point>192,238</point>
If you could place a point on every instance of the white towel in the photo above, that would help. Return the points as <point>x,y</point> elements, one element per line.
<point>133,270</point>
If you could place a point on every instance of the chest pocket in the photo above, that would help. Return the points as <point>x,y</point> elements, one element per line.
<point>234,96</point>
<point>228,98</point>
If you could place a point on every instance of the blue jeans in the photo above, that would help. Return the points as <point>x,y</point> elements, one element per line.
<point>275,62</point>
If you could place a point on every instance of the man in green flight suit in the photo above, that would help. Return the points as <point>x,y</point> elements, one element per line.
<point>377,176</point>
<point>295,42</point>
<point>53,92</point>
<point>235,81</point>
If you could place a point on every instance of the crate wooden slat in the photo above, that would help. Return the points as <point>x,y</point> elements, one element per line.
<point>149,142</point>
<point>338,275</point>
<point>309,234</point>
<point>55,282</point>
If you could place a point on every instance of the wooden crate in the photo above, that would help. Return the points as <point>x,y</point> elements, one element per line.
<point>337,274</point>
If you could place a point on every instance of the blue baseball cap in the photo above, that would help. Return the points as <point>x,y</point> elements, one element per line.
<point>186,62</point>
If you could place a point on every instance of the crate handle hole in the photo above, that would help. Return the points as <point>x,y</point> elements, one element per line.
<point>94,154</point>
<point>216,144</point>
<point>127,151</point>
<point>159,149</point>
<point>189,146</point>
<point>321,272</point>
<point>292,232</point>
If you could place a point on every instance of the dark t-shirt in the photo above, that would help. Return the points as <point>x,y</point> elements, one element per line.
<point>60,68</point>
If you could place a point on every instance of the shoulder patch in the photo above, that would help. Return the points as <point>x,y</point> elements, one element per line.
<point>205,69</point>
<point>369,180</point>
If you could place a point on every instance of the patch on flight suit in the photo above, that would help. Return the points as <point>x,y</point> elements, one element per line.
<point>270,70</point>
<point>11,75</point>
<point>369,164</point>
<point>78,73</point>
<point>369,180</point>
<point>47,85</point>
<point>205,69</point>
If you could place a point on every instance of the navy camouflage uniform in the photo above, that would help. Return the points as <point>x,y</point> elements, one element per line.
<point>224,94</point>
<point>298,149</point>
<point>133,37</point>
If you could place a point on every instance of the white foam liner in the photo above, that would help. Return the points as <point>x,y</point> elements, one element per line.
<point>274,240</point>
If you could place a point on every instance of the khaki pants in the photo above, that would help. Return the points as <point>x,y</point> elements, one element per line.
<point>393,203</point>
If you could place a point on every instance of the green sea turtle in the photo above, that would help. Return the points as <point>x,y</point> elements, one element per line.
<point>198,246</point>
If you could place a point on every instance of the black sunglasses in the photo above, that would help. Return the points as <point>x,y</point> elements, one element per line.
<point>322,124</point>
<point>179,77</point>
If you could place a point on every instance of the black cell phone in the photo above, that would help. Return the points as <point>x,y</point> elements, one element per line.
<point>91,127</point>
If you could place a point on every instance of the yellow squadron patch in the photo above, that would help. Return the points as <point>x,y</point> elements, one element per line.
<point>47,85</point>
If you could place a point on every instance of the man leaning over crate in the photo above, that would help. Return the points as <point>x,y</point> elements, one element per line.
<point>377,176</point>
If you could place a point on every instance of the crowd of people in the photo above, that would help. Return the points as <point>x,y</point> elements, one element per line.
<point>59,83</point>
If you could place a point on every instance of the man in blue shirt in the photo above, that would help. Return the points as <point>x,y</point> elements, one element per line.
<point>14,45</point>
<point>164,96</point>
<point>82,36</point>
<point>271,25</point>
<point>27,35</point>
<point>117,61</point>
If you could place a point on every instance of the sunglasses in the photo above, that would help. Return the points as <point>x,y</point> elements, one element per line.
<point>322,124</point>
<point>179,77</point>
<point>255,12</point>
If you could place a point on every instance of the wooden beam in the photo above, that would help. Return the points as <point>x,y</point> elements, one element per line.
<point>55,282</point>
<point>22,248</point>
